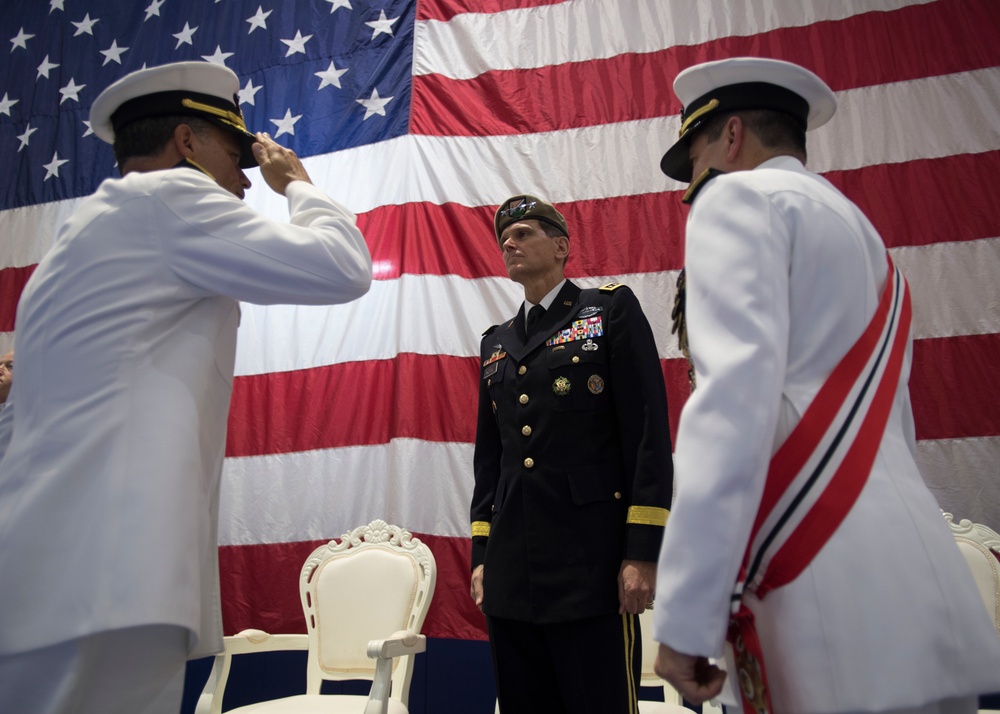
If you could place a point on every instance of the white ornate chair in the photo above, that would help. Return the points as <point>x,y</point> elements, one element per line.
<point>978,544</point>
<point>376,582</point>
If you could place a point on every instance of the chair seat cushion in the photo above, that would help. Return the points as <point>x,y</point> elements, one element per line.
<point>318,703</point>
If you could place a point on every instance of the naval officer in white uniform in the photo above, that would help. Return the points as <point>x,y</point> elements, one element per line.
<point>126,339</point>
<point>783,275</point>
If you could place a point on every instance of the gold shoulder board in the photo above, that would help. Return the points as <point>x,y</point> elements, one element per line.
<point>611,287</point>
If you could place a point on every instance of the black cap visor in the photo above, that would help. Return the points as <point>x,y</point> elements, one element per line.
<point>194,104</point>
<point>676,163</point>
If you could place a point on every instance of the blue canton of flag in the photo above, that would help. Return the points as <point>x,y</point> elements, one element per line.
<point>319,76</point>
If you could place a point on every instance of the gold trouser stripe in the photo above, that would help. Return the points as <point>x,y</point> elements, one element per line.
<point>647,516</point>
<point>628,634</point>
<point>480,528</point>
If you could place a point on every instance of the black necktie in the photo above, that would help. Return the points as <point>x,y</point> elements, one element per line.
<point>534,317</point>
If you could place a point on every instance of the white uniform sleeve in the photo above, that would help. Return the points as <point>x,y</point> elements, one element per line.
<point>6,424</point>
<point>737,262</point>
<point>224,247</point>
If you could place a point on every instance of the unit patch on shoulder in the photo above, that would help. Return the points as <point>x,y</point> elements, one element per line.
<point>611,287</point>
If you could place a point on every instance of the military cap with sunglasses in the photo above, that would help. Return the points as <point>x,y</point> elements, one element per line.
<point>525,206</point>
<point>744,83</point>
<point>197,89</point>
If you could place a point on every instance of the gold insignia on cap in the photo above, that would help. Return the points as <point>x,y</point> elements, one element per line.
<point>231,118</point>
<point>696,115</point>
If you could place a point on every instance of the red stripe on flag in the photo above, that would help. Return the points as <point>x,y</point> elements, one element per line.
<point>644,233</point>
<point>859,51</point>
<point>675,376</point>
<point>954,387</point>
<point>613,236</point>
<point>376,401</point>
<point>927,201</point>
<point>447,9</point>
<point>12,282</point>
<point>368,402</point>
<point>260,588</point>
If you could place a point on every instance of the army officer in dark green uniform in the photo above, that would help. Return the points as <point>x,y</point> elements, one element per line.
<point>573,476</point>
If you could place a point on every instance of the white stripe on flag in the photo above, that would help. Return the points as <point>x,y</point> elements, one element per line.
<point>320,494</point>
<point>472,43</point>
<point>419,314</point>
<point>954,287</point>
<point>595,162</point>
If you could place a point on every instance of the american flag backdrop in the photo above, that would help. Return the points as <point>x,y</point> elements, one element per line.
<point>421,116</point>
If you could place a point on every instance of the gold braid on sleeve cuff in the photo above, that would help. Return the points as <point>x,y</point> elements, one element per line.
<point>646,516</point>
<point>480,528</point>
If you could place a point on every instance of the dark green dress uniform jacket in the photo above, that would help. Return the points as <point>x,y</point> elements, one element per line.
<point>573,461</point>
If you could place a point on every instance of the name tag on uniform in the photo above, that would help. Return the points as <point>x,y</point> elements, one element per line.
<point>580,330</point>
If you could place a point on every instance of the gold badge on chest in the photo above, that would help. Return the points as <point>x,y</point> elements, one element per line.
<point>595,384</point>
<point>561,386</point>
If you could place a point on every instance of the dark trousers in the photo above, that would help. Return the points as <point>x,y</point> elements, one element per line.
<point>589,666</point>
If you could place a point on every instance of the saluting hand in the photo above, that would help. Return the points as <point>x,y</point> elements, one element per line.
<point>279,166</point>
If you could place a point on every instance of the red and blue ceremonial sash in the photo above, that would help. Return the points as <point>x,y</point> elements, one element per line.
<point>817,474</point>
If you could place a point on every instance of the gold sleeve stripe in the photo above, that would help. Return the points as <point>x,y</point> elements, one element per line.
<point>647,515</point>
<point>480,528</point>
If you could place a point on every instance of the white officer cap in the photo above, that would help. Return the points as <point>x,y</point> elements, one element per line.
<point>199,89</point>
<point>740,83</point>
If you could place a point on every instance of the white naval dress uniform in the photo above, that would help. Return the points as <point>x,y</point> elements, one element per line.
<point>126,339</point>
<point>783,275</point>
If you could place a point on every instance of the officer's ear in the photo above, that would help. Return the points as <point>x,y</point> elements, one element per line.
<point>562,247</point>
<point>184,139</point>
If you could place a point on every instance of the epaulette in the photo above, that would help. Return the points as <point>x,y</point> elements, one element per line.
<point>490,329</point>
<point>699,183</point>
<point>611,287</point>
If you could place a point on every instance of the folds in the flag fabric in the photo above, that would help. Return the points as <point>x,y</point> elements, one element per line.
<point>420,116</point>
